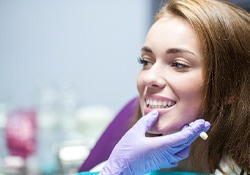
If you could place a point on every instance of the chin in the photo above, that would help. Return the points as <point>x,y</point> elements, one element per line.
<point>163,130</point>
<point>155,129</point>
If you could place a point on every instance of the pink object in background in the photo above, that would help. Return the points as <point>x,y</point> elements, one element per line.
<point>21,132</point>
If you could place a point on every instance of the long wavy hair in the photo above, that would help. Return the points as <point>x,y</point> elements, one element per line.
<point>224,33</point>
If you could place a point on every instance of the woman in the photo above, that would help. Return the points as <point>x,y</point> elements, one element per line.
<point>224,33</point>
<point>196,65</point>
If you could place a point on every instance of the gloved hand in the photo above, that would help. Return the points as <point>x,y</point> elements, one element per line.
<point>137,154</point>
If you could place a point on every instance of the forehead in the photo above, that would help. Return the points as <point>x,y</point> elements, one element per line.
<point>173,32</point>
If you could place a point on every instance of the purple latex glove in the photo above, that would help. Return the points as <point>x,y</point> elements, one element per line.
<point>137,154</point>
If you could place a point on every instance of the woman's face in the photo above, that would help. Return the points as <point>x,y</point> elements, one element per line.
<point>171,78</point>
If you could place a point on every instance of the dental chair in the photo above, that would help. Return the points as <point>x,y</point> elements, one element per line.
<point>113,133</point>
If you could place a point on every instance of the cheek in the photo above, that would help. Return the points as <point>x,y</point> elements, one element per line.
<point>191,86</point>
<point>190,92</point>
<point>191,100</point>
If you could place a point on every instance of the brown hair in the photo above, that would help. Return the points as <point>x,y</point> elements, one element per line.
<point>224,32</point>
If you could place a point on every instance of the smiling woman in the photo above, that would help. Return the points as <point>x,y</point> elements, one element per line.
<point>209,79</point>
<point>169,60</point>
<point>195,72</point>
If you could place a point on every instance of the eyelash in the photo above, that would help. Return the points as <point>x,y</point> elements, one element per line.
<point>178,65</point>
<point>175,64</point>
<point>142,61</point>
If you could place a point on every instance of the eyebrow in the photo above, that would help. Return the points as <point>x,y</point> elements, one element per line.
<point>178,50</point>
<point>169,51</point>
<point>146,49</point>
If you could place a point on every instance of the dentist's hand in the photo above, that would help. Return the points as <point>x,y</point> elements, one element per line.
<point>137,154</point>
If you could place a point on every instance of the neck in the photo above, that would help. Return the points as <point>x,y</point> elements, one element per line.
<point>184,166</point>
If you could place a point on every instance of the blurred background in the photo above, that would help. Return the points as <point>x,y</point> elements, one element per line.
<point>67,68</point>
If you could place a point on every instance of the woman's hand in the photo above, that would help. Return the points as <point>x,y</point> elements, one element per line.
<point>137,154</point>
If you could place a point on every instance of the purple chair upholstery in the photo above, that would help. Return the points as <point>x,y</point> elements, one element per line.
<point>114,132</point>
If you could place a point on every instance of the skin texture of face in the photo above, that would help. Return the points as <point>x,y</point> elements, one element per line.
<point>171,78</point>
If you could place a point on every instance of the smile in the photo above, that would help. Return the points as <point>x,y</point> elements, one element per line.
<point>151,103</point>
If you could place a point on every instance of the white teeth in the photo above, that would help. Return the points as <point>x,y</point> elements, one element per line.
<point>169,103</point>
<point>154,102</point>
<point>164,103</point>
<point>150,101</point>
<point>159,104</point>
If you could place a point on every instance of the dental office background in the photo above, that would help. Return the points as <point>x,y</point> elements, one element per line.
<point>73,63</point>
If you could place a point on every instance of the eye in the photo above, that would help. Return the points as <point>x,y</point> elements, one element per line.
<point>143,62</point>
<point>179,66</point>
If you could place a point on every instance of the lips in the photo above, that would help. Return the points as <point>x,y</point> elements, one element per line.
<point>154,103</point>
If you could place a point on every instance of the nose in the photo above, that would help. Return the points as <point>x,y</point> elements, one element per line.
<point>154,77</point>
